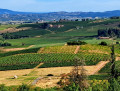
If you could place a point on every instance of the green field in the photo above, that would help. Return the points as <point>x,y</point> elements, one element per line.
<point>53,39</point>
<point>48,46</point>
<point>2,27</point>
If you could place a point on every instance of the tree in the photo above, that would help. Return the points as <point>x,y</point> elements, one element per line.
<point>113,72</point>
<point>114,85</point>
<point>79,76</point>
<point>103,43</point>
<point>23,87</point>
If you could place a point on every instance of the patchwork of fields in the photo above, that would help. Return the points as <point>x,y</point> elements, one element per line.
<point>51,51</point>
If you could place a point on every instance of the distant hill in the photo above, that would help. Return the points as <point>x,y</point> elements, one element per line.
<point>6,15</point>
<point>6,11</point>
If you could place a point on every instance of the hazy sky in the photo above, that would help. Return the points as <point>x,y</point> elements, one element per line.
<point>60,5</point>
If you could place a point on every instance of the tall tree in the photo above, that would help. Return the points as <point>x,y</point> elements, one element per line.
<point>113,73</point>
<point>79,76</point>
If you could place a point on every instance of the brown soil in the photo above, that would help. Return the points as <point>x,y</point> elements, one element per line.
<point>43,72</point>
<point>11,30</point>
<point>94,51</point>
<point>15,49</point>
<point>117,58</point>
<point>77,49</point>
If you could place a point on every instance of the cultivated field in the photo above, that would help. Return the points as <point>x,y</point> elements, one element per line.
<point>45,51</point>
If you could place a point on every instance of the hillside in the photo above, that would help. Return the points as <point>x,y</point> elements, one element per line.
<point>41,34</point>
<point>6,15</point>
<point>42,53</point>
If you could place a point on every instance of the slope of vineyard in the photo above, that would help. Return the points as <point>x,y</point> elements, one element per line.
<point>26,61</point>
<point>94,49</point>
<point>58,49</point>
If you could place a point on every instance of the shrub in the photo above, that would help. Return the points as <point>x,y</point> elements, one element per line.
<point>76,43</point>
<point>117,42</point>
<point>23,87</point>
<point>72,87</point>
<point>5,44</point>
<point>103,43</point>
<point>50,75</point>
<point>3,88</point>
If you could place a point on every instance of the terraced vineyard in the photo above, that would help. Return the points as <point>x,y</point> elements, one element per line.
<point>58,49</point>
<point>49,60</point>
<point>94,49</point>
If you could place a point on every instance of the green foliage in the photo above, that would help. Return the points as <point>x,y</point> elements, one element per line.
<point>32,50</point>
<point>76,43</point>
<point>103,43</point>
<point>109,33</point>
<point>30,25</point>
<point>31,32</point>
<point>49,60</point>
<point>114,85</point>
<point>72,87</point>
<point>23,87</point>
<point>18,66</point>
<point>99,77</point>
<point>3,88</point>
<point>107,68</point>
<point>99,85</point>
<point>11,36</point>
<point>5,44</point>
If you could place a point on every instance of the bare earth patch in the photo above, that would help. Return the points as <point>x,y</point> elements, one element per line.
<point>16,49</point>
<point>5,77</point>
<point>11,30</point>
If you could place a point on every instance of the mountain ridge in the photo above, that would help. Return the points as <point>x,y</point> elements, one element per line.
<point>6,15</point>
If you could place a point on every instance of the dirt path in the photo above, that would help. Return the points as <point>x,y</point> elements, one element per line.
<point>77,49</point>
<point>38,65</point>
<point>38,73</point>
<point>98,67</point>
<point>117,58</point>
<point>41,50</point>
<point>16,49</point>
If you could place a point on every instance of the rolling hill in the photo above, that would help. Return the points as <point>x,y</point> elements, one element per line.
<point>6,15</point>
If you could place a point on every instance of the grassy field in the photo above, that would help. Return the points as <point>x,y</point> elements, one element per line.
<point>2,27</point>
<point>107,68</point>
<point>49,36</point>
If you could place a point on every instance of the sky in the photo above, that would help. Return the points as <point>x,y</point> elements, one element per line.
<point>60,5</point>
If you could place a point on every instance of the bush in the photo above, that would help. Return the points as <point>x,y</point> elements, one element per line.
<point>103,43</point>
<point>50,75</point>
<point>72,87</point>
<point>23,87</point>
<point>76,43</point>
<point>117,42</point>
<point>3,88</point>
<point>5,44</point>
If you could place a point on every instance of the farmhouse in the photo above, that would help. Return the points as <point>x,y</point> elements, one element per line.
<point>55,26</point>
<point>103,37</point>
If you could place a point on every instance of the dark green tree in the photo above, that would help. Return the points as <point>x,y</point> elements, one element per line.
<point>113,72</point>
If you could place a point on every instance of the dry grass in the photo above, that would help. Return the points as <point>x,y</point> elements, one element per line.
<point>5,77</point>
<point>15,49</point>
<point>11,30</point>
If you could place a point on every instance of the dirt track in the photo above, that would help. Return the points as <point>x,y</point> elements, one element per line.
<point>77,49</point>
<point>15,49</point>
<point>56,71</point>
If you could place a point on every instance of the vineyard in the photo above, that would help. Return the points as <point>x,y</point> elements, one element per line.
<point>32,50</point>
<point>55,56</point>
<point>58,49</point>
<point>24,61</point>
<point>94,49</point>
